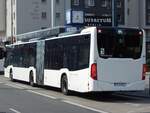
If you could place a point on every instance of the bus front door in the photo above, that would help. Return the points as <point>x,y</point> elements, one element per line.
<point>40,63</point>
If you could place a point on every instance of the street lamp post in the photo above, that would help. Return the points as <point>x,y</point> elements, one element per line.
<point>11,21</point>
<point>52,13</point>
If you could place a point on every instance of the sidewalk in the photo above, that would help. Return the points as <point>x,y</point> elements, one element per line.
<point>143,94</point>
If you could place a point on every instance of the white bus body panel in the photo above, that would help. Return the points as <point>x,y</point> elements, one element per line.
<point>116,74</point>
<point>77,80</point>
<point>7,71</point>
<point>2,65</point>
<point>120,75</point>
<point>20,73</point>
<point>51,78</point>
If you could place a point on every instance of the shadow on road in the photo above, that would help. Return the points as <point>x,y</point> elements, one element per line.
<point>94,96</point>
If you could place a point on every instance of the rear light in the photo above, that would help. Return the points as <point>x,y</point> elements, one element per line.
<point>99,31</point>
<point>144,71</point>
<point>140,33</point>
<point>94,71</point>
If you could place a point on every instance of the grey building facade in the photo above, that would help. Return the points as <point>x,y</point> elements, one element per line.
<point>30,15</point>
<point>100,8</point>
<point>89,7</point>
<point>129,13</point>
<point>27,15</point>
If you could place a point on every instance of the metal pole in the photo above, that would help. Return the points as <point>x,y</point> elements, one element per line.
<point>11,21</point>
<point>52,13</point>
<point>114,14</point>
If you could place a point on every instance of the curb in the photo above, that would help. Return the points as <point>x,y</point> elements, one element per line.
<point>132,95</point>
<point>144,94</point>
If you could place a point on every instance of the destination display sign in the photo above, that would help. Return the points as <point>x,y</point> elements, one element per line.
<point>97,21</point>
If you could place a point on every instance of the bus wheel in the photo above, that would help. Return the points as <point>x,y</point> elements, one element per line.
<point>31,79</point>
<point>64,85</point>
<point>11,75</point>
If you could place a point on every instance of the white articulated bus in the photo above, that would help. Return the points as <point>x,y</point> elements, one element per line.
<point>93,60</point>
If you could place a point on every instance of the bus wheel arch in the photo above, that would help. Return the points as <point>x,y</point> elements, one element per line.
<point>64,84</point>
<point>31,79</point>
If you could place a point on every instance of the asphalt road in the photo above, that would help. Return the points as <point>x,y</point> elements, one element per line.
<point>18,97</point>
<point>21,101</point>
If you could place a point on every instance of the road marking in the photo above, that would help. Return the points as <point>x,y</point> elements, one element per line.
<point>133,104</point>
<point>42,94</point>
<point>14,86</point>
<point>52,97</point>
<point>69,102</point>
<point>14,110</point>
<point>85,107</point>
<point>21,87</point>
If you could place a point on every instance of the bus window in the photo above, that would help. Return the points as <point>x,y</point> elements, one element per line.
<point>125,45</point>
<point>2,53</point>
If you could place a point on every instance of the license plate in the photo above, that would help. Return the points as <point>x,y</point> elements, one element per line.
<point>120,84</point>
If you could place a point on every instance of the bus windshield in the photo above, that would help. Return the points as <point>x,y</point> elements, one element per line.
<point>119,43</point>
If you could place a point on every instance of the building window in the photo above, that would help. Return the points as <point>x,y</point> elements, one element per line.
<point>120,7</point>
<point>148,4</point>
<point>44,15</point>
<point>43,27</point>
<point>128,11</point>
<point>43,1</point>
<point>147,12</point>
<point>106,4</point>
<point>57,1</point>
<point>119,18</point>
<point>89,3</point>
<point>57,15</point>
<point>106,15</point>
<point>58,19</point>
<point>119,4</point>
<point>76,2</point>
<point>148,18</point>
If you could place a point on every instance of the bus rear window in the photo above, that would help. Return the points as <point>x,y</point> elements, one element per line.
<point>120,43</point>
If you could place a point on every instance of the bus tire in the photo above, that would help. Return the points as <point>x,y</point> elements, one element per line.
<point>64,85</point>
<point>11,75</point>
<point>31,79</point>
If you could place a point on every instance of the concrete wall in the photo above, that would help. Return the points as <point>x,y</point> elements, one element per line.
<point>132,13</point>
<point>2,15</point>
<point>29,15</point>
<point>2,19</point>
<point>59,12</point>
